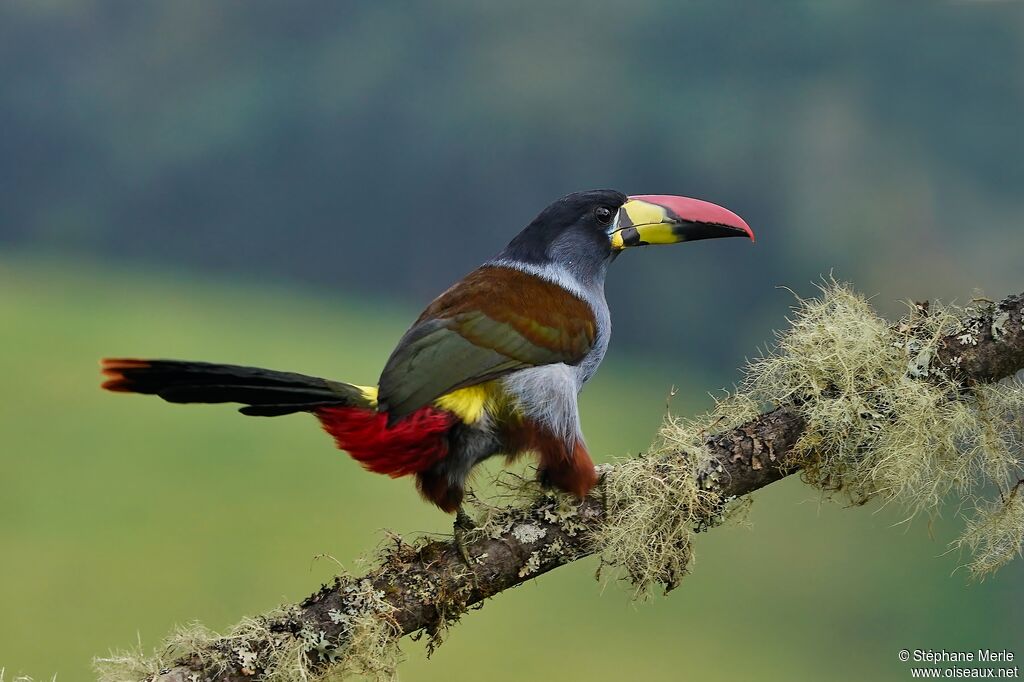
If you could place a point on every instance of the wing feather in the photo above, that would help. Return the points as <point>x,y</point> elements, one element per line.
<point>495,321</point>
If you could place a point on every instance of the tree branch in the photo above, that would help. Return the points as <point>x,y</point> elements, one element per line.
<point>424,586</point>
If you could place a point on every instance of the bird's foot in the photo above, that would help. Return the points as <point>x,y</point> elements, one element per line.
<point>544,479</point>
<point>602,480</point>
<point>463,525</point>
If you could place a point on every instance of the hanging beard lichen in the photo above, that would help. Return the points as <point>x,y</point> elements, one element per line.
<point>994,534</point>
<point>883,420</point>
<point>656,501</point>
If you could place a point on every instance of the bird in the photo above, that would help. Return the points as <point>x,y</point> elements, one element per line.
<point>493,366</point>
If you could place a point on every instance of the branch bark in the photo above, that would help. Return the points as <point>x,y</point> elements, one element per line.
<point>420,584</point>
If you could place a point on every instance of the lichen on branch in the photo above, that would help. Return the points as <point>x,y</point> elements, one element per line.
<point>655,502</point>
<point>884,418</point>
<point>283,645</point>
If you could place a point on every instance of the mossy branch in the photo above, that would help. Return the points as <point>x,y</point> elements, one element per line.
<point>896,411</point>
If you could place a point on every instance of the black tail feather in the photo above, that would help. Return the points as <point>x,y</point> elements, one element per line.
<point>240,393</point>
<point>265,392</point>
<point>278,410</point>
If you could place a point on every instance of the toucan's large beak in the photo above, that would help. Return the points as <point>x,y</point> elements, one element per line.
<point>664,219</point>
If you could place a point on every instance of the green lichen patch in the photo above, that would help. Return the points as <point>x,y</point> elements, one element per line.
<point>549,525</point>
<point>367,645</point>
<point>531,513</point>
<point>448,592</point>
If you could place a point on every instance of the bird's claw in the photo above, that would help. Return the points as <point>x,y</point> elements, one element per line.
<point>462,526</point>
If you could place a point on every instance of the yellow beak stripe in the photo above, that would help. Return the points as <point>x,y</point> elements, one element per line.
<point>638,235</point>
<point>638,212</point>
<point>641,223</point>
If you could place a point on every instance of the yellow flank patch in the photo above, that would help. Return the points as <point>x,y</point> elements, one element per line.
<point>369,393</point>
<point>469,403</point>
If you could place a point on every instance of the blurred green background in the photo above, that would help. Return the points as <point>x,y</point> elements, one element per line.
<point>287,184</point>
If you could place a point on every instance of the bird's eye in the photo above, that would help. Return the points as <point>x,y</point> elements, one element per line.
<point>604,215</point>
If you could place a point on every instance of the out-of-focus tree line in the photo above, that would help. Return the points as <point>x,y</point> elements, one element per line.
<point>389,147</point>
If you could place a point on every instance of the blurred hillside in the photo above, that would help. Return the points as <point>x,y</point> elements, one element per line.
<point>389,148</point>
